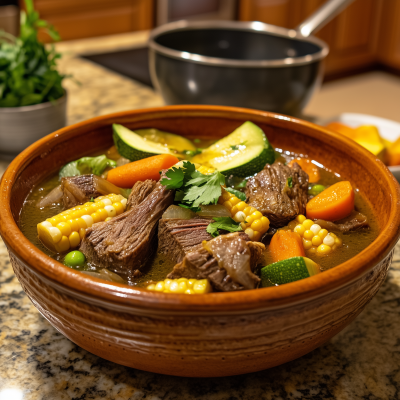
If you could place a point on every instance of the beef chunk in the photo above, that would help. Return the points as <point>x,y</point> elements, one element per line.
<point>78,190</point>
<point>271,193</point>
<point>125,243</point>
<point>177,237</point>
<point>140,190</point>
<point>227,261</point>
<point>353,222</point>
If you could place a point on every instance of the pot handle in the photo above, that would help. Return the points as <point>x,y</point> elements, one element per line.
<point>322,16</point>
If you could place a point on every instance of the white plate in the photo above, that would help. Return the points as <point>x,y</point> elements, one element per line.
<point>388,129</point>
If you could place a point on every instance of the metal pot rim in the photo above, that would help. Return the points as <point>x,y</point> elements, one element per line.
<point>34,107</point>
<point>253,26</point>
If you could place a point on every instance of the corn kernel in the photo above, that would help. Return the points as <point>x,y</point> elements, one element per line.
<point>65,228</point>
<point>54,221</point>
<point>107,202</point>
<point>249,232</point>
<point>103,213</point>
<point>234,210</point>
<point>226,196</point>
<point>240,216</point>
<point>55,233</point>
<point>228,205</point>
<point>315,229</point>
<point>256,215</point>
<point>108,219</point>
<point>202,286</point>
<point>329,240</point>
<point>257,225</point>
<point>307,244</point>
<point>62,245</point>
<point>316,240</point>
<point>256,236</point>
<point>312,250</point>
<point>241,206</point>
<point>46,224</point>
<point>191,282</point>
<point>88,220</point>
<point>96,217</point>
<point>300,219</point>
<point>159,287</point>
<point>248,210</point>
<point>151,287</point>
<point>243,225</point>
<point>123,202</point>
<point>167,283</point>
<point>189,291</point>
<point>82,233</point>
<point>323,249</point>
<point>74,239</point>
<point>308,234</point>
<point>322,233</point>
<point>119,208</point>
<point>234,201</point>
<point>338,241</point>
<point>300,229</point>
<point>292,224</point>
<point>249,219</point>
<point>173,287</point>
<point>308,223</point>
<point>265,222</point>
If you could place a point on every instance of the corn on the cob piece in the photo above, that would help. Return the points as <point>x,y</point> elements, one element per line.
<point>66,230</point>
<point>315,239</point>
<point>182,285</point>
<point>252,221</point>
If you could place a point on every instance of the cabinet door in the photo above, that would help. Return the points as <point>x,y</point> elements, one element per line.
<point>76,19</point>
<point>351,36</point>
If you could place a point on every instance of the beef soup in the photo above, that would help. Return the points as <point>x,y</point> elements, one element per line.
<point>232,215</point>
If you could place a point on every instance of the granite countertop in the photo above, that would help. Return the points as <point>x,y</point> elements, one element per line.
<point>37,362</point>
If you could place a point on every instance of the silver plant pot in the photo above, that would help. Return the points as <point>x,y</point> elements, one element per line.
<point>22,126</point>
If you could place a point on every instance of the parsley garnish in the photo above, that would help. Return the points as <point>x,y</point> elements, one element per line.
<point>240,195</point>
<point>192,187</point>
<point>289,182</point>
<point>225,223</point>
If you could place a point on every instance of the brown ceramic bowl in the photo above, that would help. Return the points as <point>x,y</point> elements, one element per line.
<point>217,334</point>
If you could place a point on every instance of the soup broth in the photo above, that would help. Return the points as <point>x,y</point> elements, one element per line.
<point>158,269</point>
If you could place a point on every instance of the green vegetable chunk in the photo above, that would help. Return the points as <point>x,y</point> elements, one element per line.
<point>242,153</point>
<point>74,259</point>
<point>87,165</point>
<point>224,223</point>
<point>289,270</point>
<point>314,190</point>
<point>240,195</point>
<point>149,142</point>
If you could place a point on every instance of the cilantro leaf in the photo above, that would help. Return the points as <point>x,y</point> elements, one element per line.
<point>176,178</point>
<point>240,195</point>
<point>194,209</point>
<point>225,223</point>
<point>209,191</point>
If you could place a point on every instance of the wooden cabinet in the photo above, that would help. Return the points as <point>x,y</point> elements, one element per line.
<point>365,33</point>
<point>75,19</point>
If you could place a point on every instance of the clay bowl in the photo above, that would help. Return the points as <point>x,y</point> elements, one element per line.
<point>218,334</point>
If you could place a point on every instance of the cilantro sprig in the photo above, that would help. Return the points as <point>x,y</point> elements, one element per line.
<point>224,223</point>
<point>192,187</point>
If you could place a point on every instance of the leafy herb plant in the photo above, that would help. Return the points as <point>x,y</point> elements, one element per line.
<point>28,73</point>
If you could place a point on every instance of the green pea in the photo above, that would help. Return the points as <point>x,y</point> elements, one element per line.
<point>316,189</point>
<point>74,259</point>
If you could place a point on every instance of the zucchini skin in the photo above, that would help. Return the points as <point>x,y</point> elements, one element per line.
<point>285,271</point>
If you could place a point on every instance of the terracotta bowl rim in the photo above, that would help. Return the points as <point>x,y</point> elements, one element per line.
<point>89,288</point>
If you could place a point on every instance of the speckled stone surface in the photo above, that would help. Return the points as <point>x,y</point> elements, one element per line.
<point>362,362</point>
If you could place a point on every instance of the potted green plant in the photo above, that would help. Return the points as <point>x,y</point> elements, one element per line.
<point>32,99</point>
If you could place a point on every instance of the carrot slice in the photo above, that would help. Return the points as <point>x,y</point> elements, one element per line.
<point>127,175</point>
<point>334,203</point>
<point>308,167</point>
<point>286,244</point>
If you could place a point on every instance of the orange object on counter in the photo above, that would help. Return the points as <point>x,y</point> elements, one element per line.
<point>308,167</point>
<point>334,203</point>
<point>127,175</point>
<point>393,153</point>
<point>286,244</point>
<point>341,128</point>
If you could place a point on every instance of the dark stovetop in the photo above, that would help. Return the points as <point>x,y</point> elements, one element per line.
<point>132,63</point>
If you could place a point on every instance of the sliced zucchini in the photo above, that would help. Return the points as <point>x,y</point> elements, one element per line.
<point>242,153</point>
<point>147,142</point>
<point>289,270</point>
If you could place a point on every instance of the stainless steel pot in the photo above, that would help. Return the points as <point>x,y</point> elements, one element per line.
<point>248,64</point>
<point>21,126</point>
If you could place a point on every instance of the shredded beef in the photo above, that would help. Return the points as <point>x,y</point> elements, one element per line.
<point>140,190</point>
<point>353,222</point>
<point>126,243</point>
<point>277,197</point>
<point>177,237</point>
<point>78,190</point>
<point>234,251</point>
